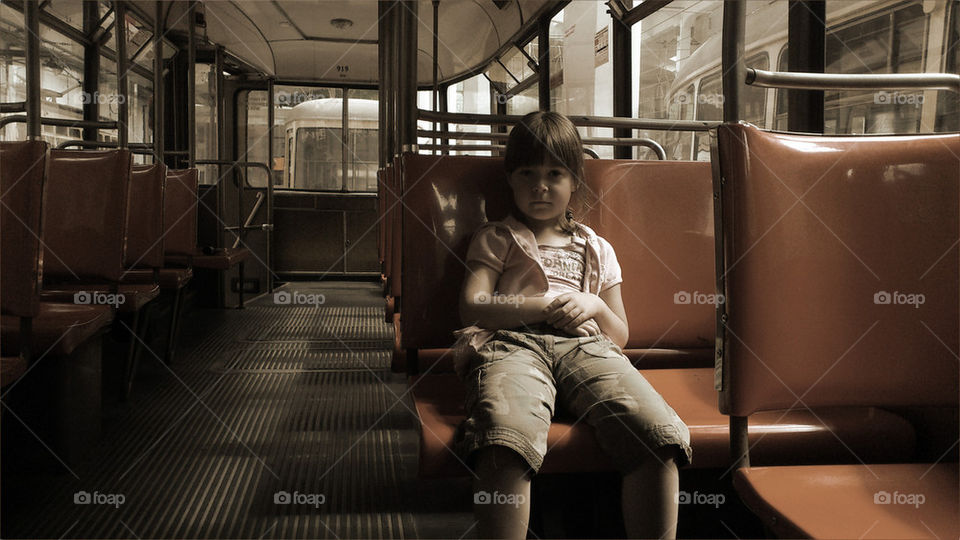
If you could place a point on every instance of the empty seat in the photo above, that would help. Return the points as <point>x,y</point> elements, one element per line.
<point>841,279</point>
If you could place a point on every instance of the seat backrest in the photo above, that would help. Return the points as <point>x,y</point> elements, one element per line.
<point>84,212</point>
<point>658,215</point>
<point>839,269</point>
<point>180,212</point>
<point>22,169</point>
<point>145,217</point>
<point>445,200</point>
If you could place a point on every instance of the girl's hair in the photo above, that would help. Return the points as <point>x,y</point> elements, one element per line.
<point>543,137</point>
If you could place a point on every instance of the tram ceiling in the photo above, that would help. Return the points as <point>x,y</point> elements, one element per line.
<point>326,41</point>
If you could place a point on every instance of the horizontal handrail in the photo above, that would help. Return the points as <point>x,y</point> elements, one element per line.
<point>842,81</point>
<point>258,164</point>
<point>501,137</point>
<point>64,122</point>
<point>462,147</point>
<point>583,121</point>
<point>136,148</point>
<point>13,107</point>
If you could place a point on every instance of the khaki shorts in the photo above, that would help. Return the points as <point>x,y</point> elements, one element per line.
<point>516,378</point>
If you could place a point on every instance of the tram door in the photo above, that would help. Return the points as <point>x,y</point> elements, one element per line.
<point>247,125</point>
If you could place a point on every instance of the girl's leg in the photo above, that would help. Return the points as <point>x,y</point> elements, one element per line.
<point>650,497</point>
<point>501,494</point>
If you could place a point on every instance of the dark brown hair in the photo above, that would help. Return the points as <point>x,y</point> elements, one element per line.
<point>543,137</point>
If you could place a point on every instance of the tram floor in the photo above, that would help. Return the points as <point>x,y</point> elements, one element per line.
<point>280,420</point>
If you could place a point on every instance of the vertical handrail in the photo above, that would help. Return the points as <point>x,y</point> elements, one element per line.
<point>31,22</point>
<point>123,111</point>
<point>192,85</point>
<point>158,131</point>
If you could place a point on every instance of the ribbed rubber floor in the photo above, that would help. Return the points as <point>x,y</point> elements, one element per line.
<point>273,403</point>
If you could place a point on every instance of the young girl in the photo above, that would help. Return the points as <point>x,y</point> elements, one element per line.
<point>547,323</point>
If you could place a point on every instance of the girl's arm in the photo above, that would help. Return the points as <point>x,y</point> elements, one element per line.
<point>570,310</point>
<point>478,305</point>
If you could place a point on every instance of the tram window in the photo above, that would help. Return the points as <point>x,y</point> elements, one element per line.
<point>470,96</point>
<point>12,72</point>
<point>891,41</point>
<point>524,102</point>
<point>256,136</point>
<point>948,103</point>
<point>319,158</point>
<point>709,103</point>
<point>205,83</point>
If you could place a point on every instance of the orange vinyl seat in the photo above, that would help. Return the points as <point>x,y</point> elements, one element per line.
<point>841,281</point>
<point>659,218</point>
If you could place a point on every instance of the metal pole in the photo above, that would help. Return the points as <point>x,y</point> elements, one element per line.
<point>382,47</point>
<point>91,68</point>
<point>436,61</point>
<point>622,85</point>
<point>345,139</point>
<point>221,143</point>
<point>192,85</point>
<point>392,57</point>
<point>806,52</point>
<point>123,107</point>
<point>31,22</point>
<point>408,76</point>
<point>732,66</point>
<point>158,131</point>
<point>543,63</point>
<point>269,221</point>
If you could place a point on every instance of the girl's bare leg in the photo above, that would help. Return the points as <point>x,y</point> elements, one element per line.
<point>650,497</point>
<point>501,494</point>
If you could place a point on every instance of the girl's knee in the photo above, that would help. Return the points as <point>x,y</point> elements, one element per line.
<point>497,457</point>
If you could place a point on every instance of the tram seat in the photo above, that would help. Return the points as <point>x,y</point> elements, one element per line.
<point>659,218</point>
<point>88,249</point>
<point>874,220</point>
<point>58,343</point>
<point>185,186</point>
<point>163,240</point>
<point>57,329</point>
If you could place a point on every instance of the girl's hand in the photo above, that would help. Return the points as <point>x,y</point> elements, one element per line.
<point>587,329</point>
<point>570,310</point>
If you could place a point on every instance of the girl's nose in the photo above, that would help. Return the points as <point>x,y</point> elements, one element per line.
<point>539,187</point>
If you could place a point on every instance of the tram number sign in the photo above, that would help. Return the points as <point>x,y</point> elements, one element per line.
<point>343,69</point>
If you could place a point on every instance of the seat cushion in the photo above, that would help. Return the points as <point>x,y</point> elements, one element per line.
<point>798,436</point>
<point>223,259</point>
<point>130,297</point>
<point>61,326</point>
<point>11,369</point>
<point>916,500</point>
<point>169,278</point>
<point>441,360</point>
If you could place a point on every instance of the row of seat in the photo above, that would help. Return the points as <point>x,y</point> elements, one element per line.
<point>89,238</point>
<point>659,216</point>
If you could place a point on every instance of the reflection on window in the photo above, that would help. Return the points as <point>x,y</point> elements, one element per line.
<point>319,158</point>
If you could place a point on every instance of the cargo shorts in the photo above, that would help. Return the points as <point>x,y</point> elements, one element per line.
<point>515,380</point>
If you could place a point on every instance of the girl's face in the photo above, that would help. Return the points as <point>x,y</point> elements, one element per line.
<point>542,192</point>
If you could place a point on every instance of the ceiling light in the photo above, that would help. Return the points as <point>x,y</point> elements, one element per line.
<point>341,24</point>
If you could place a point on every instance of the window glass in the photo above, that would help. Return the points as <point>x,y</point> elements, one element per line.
<point>13,82</point>
<point>319,159</point>
<point>205,117</point>
<point>948,103</point>
<point>470,96</point>
<point>68,11</point>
